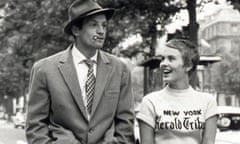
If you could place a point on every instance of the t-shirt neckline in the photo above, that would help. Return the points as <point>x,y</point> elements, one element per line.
<point>178,92</point>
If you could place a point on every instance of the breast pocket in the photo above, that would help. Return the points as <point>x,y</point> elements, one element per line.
<point>111,93</point>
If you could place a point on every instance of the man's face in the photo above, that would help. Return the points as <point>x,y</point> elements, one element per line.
<point>172,66</point>
<point>93,31</point>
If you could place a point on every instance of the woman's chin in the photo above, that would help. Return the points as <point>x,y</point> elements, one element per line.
<point>167,79</point>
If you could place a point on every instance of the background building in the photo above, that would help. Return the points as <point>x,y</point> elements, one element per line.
<point>221,31</point>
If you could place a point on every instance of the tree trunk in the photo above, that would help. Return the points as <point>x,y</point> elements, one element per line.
<point>193,34</point>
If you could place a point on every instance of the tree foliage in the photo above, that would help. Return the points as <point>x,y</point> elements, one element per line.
<point>226,74</point>
<point>139,17</point>
<point>30,30</point>
<point>235,4</point>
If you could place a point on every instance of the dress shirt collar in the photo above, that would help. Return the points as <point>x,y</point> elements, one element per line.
<point>79,57</point>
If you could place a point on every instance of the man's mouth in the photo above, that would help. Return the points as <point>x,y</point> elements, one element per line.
<point>96,38</point>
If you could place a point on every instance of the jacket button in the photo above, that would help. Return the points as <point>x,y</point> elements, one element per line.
<point>91,130</point>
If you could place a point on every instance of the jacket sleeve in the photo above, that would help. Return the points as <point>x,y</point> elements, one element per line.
<point>38,124</point>
<point>124,118</point>
<point>38,108</point>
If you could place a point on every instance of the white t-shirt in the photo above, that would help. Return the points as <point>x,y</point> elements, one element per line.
<point>177,116</point>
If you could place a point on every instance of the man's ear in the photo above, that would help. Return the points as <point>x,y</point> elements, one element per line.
<point>75,30</point>
<point>188,67</point>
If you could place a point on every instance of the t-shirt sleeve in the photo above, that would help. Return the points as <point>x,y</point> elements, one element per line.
<point>211,107</point>
<point>146,112</point>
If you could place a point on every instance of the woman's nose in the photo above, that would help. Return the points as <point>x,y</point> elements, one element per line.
<point>164,62</point>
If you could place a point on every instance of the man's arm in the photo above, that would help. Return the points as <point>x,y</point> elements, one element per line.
<point>124,118</point>
<point>38,108</point>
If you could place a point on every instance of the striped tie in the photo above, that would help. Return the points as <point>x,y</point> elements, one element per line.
<point>90,85</point>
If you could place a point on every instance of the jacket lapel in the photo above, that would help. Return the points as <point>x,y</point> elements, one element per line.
<point>104,70</point>
<point>68,71</point>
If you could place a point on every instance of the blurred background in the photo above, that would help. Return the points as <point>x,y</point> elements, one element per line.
<point>31,30</point>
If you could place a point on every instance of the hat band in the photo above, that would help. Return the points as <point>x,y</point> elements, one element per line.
<point>82,15</point>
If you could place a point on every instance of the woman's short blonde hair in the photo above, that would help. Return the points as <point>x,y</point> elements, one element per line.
<point>188,50</point>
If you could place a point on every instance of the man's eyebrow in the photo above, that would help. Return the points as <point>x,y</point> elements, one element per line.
<point>91,20</point>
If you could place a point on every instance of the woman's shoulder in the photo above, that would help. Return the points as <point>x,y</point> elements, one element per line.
<point>154,95</point>
<point>205,95</point>
<point>202,93</point>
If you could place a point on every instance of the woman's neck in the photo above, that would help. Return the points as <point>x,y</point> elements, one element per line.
<point>183,84</point>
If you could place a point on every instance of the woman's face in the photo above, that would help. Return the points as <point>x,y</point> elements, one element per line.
<point>172,66</point>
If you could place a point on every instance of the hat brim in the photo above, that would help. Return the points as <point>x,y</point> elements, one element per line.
<point>107,11</point>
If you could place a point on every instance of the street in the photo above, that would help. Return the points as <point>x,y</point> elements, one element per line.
<point>11,135</point>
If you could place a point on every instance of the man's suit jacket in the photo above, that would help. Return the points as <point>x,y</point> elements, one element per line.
<point>56,113</point>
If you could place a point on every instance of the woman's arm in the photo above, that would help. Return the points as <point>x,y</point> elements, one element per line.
<point>209,132</point>
<point>146,133</point>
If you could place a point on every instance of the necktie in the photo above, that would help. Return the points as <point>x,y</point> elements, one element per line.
<point>90,85</point>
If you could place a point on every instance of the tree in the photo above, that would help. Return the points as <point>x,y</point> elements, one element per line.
<point>33,29</point>
<point>226,74</point>
<point>235,4</point>
<point>226,77</point>
<point>139,17</point>
<point>30,30</point>
<point>142,17</point>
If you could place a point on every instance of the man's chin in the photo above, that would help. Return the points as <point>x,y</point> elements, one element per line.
<point>98,46</point>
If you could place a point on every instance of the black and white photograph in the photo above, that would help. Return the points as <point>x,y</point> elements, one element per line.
<point>119,71</point>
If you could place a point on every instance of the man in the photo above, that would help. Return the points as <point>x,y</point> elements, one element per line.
<point>81,95</point>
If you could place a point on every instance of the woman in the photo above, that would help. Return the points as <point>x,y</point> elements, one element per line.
<point>178,114</point>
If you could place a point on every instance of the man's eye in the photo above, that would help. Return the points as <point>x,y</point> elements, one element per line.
<point>104,25</point>
<point>92,24</point>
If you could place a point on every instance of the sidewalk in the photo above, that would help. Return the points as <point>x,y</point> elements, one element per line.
<point>5,124</point>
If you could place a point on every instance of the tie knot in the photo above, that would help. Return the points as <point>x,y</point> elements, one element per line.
<point>89,62</point>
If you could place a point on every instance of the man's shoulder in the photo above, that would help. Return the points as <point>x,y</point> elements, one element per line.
<point>49,60</point>
<point>114,60</point>
<point>111,56</point>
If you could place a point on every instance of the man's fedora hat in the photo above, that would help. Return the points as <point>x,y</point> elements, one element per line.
<point>80,9</point>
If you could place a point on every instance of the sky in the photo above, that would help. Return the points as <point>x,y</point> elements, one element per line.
<point>181,19</point>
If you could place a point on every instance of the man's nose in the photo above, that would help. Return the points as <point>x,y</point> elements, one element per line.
<point>100,30</point>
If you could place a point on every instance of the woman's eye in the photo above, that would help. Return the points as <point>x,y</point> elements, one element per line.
<point>162,58</point>
<point>171,58</point>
